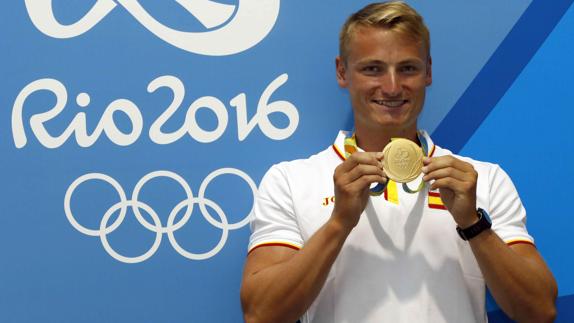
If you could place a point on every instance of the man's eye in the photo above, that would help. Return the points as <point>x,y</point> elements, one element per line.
<point>409,69</point>
<point>371,69</point>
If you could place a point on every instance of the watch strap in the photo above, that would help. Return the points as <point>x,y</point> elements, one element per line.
<point>475,229</point>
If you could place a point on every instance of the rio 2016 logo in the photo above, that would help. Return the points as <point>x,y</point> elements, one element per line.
<point>234,28</point>
<point>190,126</point>
<point>228,29</point>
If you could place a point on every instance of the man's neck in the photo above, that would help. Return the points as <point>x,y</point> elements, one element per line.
<point>375,141</point>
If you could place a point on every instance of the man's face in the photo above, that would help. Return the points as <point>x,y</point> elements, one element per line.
<point>386,74</point>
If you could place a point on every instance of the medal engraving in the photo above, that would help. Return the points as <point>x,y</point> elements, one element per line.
<point>403,160</point>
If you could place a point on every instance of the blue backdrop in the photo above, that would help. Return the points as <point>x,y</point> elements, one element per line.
<point>176,109</point>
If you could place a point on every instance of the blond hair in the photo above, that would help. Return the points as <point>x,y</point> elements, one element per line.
<point>393,15</point>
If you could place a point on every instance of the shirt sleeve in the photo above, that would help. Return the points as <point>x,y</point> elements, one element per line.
<point>506,210</point>
<point>273,221</point>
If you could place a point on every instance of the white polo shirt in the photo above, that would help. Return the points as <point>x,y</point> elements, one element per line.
<point>404,261</point>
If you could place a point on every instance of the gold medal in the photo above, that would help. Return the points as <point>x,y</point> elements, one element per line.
<point>403,160</point>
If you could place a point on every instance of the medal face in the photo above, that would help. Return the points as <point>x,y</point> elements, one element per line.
<point>403,160</point>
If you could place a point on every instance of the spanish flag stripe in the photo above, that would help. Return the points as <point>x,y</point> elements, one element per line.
<point>434,194</point>
<point>275,244</point>
<point>432,151</point>
<point>517,241</point>
<point>341,155</point>
<point>392,193</point>
<point>437,206</point>
<point>435,200</point>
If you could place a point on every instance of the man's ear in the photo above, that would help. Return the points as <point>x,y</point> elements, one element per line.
<point>429,72</point>
<point>341,70</point>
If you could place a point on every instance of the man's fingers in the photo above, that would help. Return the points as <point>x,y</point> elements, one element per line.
<point>444,167</point>
<point>431,164</point>
<point>448,172</point>
<point>453,184</point>
<point>359,158</point>
<point>363,170</point>
<point>365,182</point>
<point>359,171</point>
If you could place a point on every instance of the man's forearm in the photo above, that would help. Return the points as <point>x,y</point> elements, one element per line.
<point>521,284</point>
<point>284,291</point>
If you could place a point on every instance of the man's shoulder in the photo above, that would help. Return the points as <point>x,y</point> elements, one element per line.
<point>300,176</point>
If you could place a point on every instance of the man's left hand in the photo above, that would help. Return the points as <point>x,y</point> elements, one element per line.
<point>456,182</point>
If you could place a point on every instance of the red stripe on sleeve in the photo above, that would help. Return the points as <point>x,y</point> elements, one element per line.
<point>274,244</point>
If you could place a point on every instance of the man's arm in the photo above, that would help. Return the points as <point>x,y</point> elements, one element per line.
<point>517,278</point>
<point>279,284</point>
<point>516,275</point>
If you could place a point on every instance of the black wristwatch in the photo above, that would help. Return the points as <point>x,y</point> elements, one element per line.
<point>483,223</point>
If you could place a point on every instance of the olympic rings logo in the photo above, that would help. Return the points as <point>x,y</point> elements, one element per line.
<point>157,227</point>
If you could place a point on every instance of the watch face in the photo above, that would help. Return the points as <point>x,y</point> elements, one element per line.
<point>485,215</point>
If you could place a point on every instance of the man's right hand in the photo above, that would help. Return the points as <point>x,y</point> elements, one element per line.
<point>279,283</point>
<point>353,179</point>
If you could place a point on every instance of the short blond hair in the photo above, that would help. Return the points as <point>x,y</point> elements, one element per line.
<point>393,15</point>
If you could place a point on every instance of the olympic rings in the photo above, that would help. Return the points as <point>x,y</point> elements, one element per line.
<point>157,227</point>
<point>208,180</point>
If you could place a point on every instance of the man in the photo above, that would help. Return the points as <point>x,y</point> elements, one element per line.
<point>397,257</point>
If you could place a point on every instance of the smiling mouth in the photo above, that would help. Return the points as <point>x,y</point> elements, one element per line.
<point>391,103</point>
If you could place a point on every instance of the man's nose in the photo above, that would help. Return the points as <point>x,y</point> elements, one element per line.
<point>390,84</point>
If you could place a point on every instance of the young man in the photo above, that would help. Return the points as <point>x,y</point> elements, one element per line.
<point>396,257</point>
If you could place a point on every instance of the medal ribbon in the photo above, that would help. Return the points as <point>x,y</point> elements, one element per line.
<point>351,148</point>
